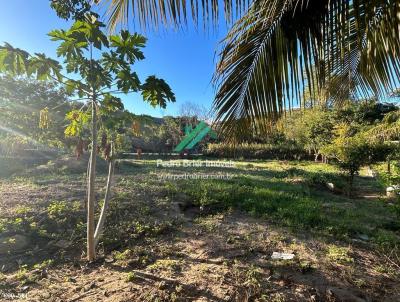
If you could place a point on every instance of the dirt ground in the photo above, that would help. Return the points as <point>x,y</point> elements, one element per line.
<point>223,256</point>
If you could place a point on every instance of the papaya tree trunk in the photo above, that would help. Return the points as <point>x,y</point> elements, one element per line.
<point>91,254</point>
<point>100,224</point>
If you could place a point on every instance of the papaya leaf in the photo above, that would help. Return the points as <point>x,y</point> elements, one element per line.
<point>157,92</point>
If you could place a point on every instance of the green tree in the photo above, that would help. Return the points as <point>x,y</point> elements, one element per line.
<point>353,148</point>
<point>349,151</point>
<point>100,68</point>
<point>22,103</point>
<point>311,128</point>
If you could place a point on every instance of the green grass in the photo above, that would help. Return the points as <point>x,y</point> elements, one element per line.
<point>294,194</point>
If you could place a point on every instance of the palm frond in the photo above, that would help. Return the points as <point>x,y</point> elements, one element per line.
<point>153,13</point>
<point>281,46</point>
<point>264,62</point>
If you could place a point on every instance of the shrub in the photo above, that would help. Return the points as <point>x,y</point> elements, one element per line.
<point>351,152</point>
<point>281,151</point>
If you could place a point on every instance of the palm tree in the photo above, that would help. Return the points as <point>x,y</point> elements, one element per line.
<point>275,48</point>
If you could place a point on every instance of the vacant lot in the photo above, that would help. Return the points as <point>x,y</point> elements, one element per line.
<point>200,240</point>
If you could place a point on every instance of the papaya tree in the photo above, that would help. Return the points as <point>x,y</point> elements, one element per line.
<point>95,68</point>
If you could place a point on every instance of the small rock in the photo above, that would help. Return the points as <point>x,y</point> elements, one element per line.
<point>109,260</point>
<point>330,186</point>
<point>363,237</point>
<point>391,191</point>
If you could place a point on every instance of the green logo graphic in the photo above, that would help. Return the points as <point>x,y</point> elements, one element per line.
<point>193,137</point>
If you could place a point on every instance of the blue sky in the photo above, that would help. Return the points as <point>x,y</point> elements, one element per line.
<point>185,59</point>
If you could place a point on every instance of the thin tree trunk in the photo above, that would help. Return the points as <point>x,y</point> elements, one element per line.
<point>350,188</point>
<point>91,254</point>
<point>100,224</point>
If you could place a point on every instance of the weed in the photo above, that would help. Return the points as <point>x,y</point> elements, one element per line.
<point>122,256</point>
<point>58,210</point>
<point>339,254</point>
<point>22,210</point>
<point>253,277</point>
<point>360,282</point>
<point>23,275</point>
<point>45,264</point>
<point>166,264</point>
<point>209,223</point>
<point>386,239</point>
<point>130,277</point>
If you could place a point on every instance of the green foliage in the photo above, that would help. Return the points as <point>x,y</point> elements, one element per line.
<point>353,150</point>
<point>13,60</point>
<point>130,277</point>
<point>310,128</point>
<point>62,217</point>
<point>21,102</point>
<point>66,9</point>
<point>77,120</point>
<point>282,150</point>
<point>157,92</point>
<point>364,112</point>
<point>57,210</point>
<point>339,254</point>
<point>292,194</point>
<point>386,239</point>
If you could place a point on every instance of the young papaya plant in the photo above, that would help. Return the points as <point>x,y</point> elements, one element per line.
<point>95,68</point>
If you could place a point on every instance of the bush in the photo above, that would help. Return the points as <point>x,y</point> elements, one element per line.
<point>352,151</point>
<point>280,151</point>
